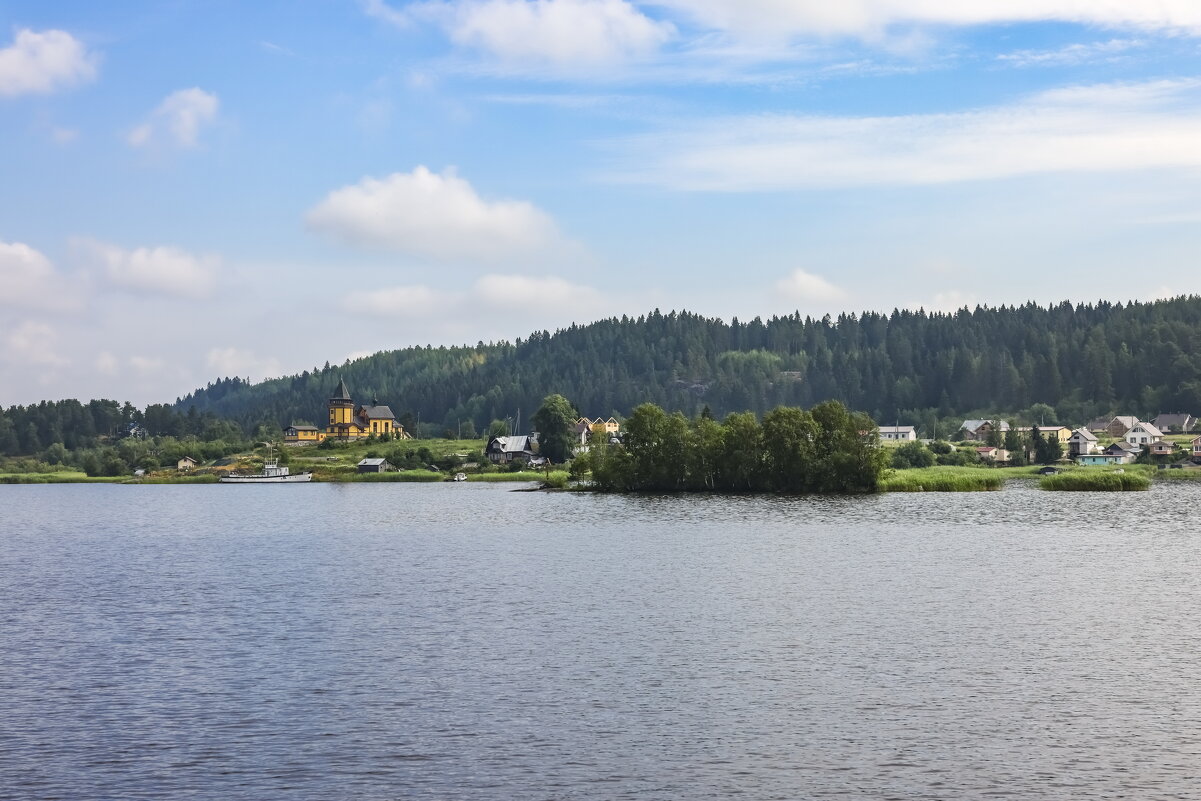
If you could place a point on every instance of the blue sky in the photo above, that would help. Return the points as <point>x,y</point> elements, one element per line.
<point>196,189</point>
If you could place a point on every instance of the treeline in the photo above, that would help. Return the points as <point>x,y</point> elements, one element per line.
<point>909,367</point>
<point>54,427</point>
<point>826,449</point>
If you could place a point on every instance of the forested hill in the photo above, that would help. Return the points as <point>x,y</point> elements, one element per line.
<point>911,367</point>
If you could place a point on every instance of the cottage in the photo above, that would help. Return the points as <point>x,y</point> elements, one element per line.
<point>980,429</point>
<point>1125,451</point>
<point>1061,433</point>
<point>1143,434</point>
<point>1099,424</point>
<point>1118,426</point>
<point>993,454</point>
<point>1161,448</point>
<point>375,466</point>
<point>1082,442</point>
<point>301,435</point>
<point>503,450</point>
<point>1196,449</point>
<point>1175,423</point>
<point>185,464</point>
<point>903,433</point>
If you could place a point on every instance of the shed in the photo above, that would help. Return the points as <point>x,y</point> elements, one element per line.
<point>375,466</point>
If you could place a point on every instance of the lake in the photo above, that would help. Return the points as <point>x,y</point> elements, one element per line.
<point>462,641</point>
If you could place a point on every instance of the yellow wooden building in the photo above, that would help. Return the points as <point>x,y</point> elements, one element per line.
<point>347,421</point>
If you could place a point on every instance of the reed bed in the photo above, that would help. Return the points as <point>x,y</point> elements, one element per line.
<point>1087,481</point>
<point>957,479</point>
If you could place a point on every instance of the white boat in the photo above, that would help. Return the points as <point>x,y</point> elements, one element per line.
<point>272,473</point>
<point>460,477</point>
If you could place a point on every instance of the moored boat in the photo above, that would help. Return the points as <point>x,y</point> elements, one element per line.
<point>272,473</point>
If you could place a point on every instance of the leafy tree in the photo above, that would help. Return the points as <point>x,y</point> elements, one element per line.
<point>555,422</point>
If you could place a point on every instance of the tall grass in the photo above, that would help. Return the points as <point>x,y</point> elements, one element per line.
<point>1088,481</point>
<point>945,479</point>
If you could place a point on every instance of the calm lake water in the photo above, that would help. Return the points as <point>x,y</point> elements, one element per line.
<point>388,641</point>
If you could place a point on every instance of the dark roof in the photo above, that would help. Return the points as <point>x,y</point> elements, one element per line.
<point>1174,421</point>
<point>303,428</point>
<point>377,413</point>
<point>341,393</point>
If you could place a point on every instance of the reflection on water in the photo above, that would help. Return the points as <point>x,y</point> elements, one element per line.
<point>463,641</point>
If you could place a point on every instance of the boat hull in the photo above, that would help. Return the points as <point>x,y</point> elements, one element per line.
<point>298,478</point>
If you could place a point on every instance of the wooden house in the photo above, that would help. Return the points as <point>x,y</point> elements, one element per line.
<point>185,464</point>
<point>375,466</point>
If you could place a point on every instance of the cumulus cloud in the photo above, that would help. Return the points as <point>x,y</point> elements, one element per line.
<point>1086,129</point>
<point>561,34</point>
<point>800,287</point>
<point>40,63</point>
<point>234,361</point>
<point>870,18</point>
<point>30,281</point>
<point>159,270</point>
<point>430,214</point>
<point>178,120</point>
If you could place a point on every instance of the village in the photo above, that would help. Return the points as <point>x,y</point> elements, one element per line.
<point>1168,441</point>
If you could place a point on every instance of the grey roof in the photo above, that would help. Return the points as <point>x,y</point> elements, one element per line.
<point>972,425</point>
<point>372,462</point>
<point>341,393</point>
<point>378,413</point>
<point>1123,446</point>
<point>896,429</point>
<point>1099,423</point>
<point>1184,421</point>
<point>520,444</point>
<point>1130,421</point>
<point>304,428</point>
<point>1084,433</point>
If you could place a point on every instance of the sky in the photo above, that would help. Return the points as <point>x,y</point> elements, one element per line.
<point>192,189</point>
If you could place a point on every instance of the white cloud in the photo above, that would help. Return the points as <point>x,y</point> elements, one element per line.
<point>801,287</point>
<point>871,18</point>
<point>33,343</point>
<point>948,301</point>
<point>1071,55</point>
<point>559,34</point>
<point>233,361</point>
<point>430,214</point>
<point>156,270</point>
<point>178,120</point>
<point>39,63</point>
<point>146,364</point>
<point>29,280</point>
<point>1085,129</point>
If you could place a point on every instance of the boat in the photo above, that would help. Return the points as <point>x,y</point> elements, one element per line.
<point>272,473</point>
<point>460,477</point>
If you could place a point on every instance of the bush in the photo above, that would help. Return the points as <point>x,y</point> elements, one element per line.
<point>912,454</point>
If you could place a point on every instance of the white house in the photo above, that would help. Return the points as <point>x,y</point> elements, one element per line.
<point>1143,434</point>
<point>905,433</point>
<point>1082,442</point>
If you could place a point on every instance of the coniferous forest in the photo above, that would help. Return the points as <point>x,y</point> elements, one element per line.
<point>911,367</point>
<point>1059,364</point>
